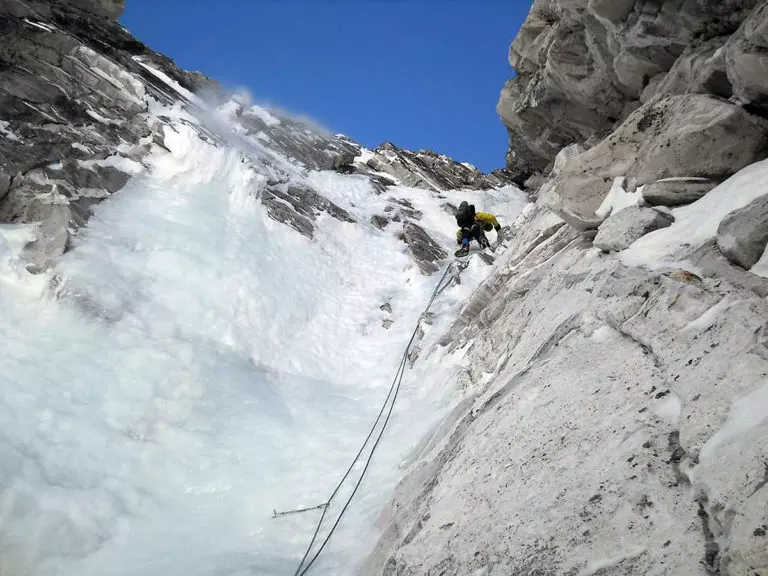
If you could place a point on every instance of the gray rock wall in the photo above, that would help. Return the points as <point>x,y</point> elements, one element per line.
<point>584,66</point>
<point>431,171</point>
<point>596,433</point>
<point>670,136</point>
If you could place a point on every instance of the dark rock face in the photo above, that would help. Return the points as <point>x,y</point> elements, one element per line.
<point>432,171</point>
<point>700,69</point>
<point>743,235</point>
<point>299,206</point>
<point>107,8</point>
<point>5,184</point>
<point>407,210</point>
<point>71,92</point>
<point>283,213</point>
<point>380,183</point>
<point>585,65</point>
<point>379,222</point>
<point>425,250</point>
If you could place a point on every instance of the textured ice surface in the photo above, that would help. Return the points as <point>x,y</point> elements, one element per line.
<point>204,365</point>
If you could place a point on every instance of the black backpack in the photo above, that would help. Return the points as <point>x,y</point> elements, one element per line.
<point>465,215</point>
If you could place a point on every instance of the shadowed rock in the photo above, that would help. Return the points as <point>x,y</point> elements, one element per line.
<point>380,183</point>
<point>5,184</point>
<point>426,252</point>
<point>700,69</point>
<point>379,222</point>
<point>298,206</point>
<point>406,209</point>
<point>432,171</point>
<point>746,57</point>
<point>285,214</point>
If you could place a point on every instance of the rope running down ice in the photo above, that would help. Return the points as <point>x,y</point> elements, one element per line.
<point>306,561</point>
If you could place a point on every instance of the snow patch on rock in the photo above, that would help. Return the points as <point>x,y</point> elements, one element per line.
<point>697,223</point>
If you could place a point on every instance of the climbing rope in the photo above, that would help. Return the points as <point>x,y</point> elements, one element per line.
<point>307,562</point>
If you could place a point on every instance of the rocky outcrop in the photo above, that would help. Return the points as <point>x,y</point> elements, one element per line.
<point>379,221</point>
<point>670,136</point>
<point>107,8</point>
<point>75,127</point>
<point>743,235</point>
<point>676,191</point>
<point>585,65</point>
<point>622,228</point>
<point>426,252</point>
<point>700,69</point>
<point>380,183</point>
<point>567,153</point>
<point>302,144</point>
<point>299,206</point>
<point>5,184</point>
<point>432,171</point>
<point>73,98</point>
<point>746,56</point>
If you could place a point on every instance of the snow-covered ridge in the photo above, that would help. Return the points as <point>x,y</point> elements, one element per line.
<point>118,94</point>
<point>426,169</point>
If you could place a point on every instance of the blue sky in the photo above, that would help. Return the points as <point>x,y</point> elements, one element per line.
<point>420,73</point>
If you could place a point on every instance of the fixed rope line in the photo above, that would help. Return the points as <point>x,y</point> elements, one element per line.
<point>275,513</point>
<point>394,390</point>
<point>401,372</point>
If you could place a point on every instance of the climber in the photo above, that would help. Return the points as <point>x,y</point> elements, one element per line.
<point>474,225</point>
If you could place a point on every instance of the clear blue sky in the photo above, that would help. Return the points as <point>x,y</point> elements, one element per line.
<point>420,73</point>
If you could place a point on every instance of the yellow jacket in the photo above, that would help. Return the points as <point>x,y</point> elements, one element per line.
<point>488,221</point>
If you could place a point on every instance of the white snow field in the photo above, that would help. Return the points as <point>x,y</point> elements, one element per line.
<point>192,365</point>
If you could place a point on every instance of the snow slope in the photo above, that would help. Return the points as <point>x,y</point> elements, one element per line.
<point>192,365</point>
